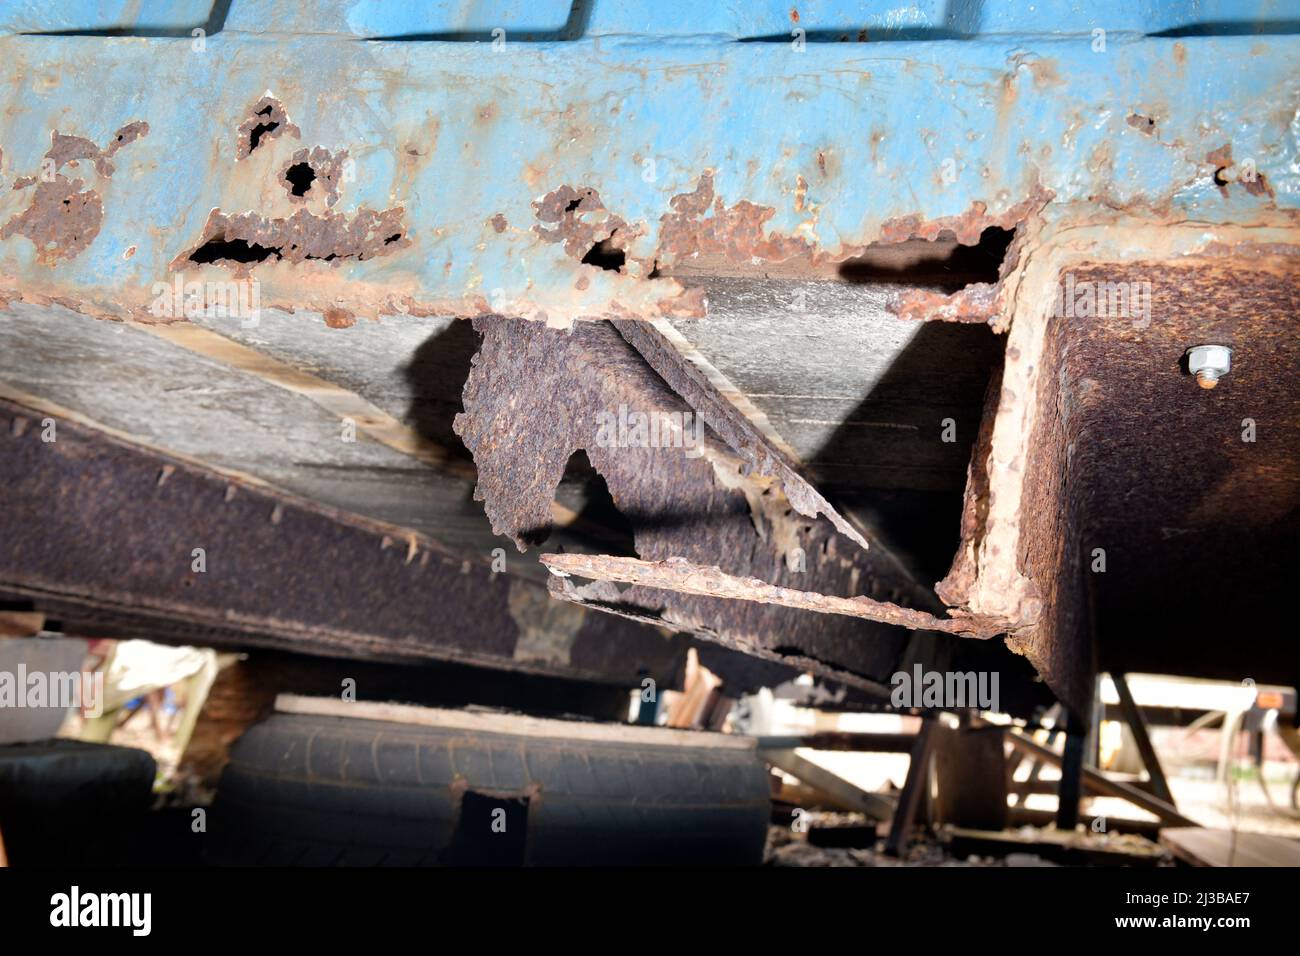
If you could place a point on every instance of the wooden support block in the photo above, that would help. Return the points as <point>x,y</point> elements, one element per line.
<point>1069,848</point>
<point>1200,846</point>
<point>915,788</point>
<point>970,777</point>
<point>847,795</point>
<point>1137,723</point>
<point>21,623</point>
<point>1097,782</point>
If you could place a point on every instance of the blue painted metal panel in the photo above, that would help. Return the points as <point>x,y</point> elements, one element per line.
<point>830,143</point>
<point>873,20</point>
<point>62,16</point>
<point>383,18</point>
<point>935,19</point>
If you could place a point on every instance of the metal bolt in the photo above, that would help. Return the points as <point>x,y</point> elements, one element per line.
<point>1209,363</point>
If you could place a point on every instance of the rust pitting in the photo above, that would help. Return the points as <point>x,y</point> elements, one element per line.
<point>701,223</point>
<point>65,149</point>
<point>267,120</point>
<point>967,227</point>
<point>576,217</point>
<point>314,173</point>
<point>241,241</point>
<point>1226,171</point>
<point>1143,124</point>
<point>64,218</point>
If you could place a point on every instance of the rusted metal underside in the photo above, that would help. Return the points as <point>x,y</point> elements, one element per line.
<point>678,575</point>
<point>763,458</point>
<point>1092,438</point>
<point>532,401</point>
<point>1126,517</point>
<point>1193,495</point>
<point>378,187</point>
<point>1096,443</point>
<point>100,534</point>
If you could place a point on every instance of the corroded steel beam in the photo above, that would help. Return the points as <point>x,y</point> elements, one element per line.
<point>537,396</point>
<point>1117,514</point>
<point>386,173</point>
<point>686,578</point>
<point>662,347</point>
<point>102,534</point>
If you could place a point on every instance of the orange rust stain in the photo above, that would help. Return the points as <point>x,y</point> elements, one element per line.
<point>1253,182</point>
<point>63,219</point>
<point>578,218</point>
<point>339,319</point>
<point>1044,73</point>
<point>965,228</point>
<point>735,232</point>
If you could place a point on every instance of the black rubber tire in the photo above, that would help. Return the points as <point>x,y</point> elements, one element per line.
<point>68,802</point>
<point>318,791</point>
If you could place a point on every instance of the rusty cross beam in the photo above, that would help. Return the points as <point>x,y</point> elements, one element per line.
<point>677,574</point>
<point>537,396</point>
<point>115,538</point>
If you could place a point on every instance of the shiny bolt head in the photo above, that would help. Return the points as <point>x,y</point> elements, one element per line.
<point>1209,363</point>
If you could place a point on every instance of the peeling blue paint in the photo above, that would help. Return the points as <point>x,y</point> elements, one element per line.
<point>460,133</point>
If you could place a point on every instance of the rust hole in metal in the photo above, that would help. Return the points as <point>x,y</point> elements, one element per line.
<point>1143,124</point>
<point>267,120</point>
<point>605,255</point>
<point>255,135</point>
<point>249,238</point>
<point>942,263</point>
<point>589,232</point>
<point>300,177</point>
<point>316,173</point>
<point>232,250</point>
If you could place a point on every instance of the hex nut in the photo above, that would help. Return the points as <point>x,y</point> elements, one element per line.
<point>1209,363</point>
